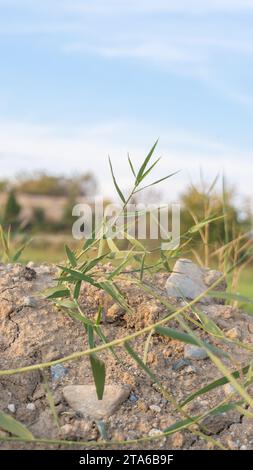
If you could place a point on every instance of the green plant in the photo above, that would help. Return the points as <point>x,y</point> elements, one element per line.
<point>84,265</point>
<point>10,253</point>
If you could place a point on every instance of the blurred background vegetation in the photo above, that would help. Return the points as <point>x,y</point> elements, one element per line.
<point>39,207</point>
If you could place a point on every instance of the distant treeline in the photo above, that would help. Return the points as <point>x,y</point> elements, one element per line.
<point>43,202</point>
<point>43,184</point>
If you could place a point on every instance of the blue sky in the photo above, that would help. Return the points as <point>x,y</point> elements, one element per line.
<point>83,79</point>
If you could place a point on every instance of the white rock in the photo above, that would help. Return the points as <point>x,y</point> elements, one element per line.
<point>29,302</point>
<point>154,432</point>
<point>189,280</point>
<point>228,389</point>
<point>83,399</point>
<point>186,280</point>
<point>31,406</point>
<point>11,407</point>
<point>155,408</point>
<point>31,264</point>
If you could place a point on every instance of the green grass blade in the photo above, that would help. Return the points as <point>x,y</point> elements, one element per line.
<point>231,296</point>
<point>186,338</point>
<point>215,384</point>
<point>9,424</point>
<point>156,182</point>
<point>145,163</point>
<point>50,400</point>
<point>203,223</point>
<point>97,366</point>
<point>116,184</point>
<point>78,276</point>
<point>131,165</point>
<point>71,256</point>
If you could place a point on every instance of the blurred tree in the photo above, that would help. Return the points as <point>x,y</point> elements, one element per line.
<point>39,219</point>
<point>197,205</point>
<point>12,210</point>
<point>47,185</point>
<point>3,185</point>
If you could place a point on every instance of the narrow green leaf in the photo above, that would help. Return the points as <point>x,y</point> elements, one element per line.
<point>142,266</point>
<point>58,293</point>
<point>210,326</point>
<point>179,425</point>
<point>71,256</point>
<point>114,292</point>
<point>19,252</point>
<point>99,373</point>
<point>156,182</point>
<point>77,290</point>
<point>215,384</point>
<point>203,223</point>
<point>97,366</point>
<point>99,315</point>
<point>140,362</point>
<point>9,424</point>
<point>4,241</point>
<point>231,296</point>
<point>186,338</point>
<point>144,165</point>
<point>50,399</point>
<point>116,184</point>
<point>66,303</point>
<point>131,165</point>
<point>77,316</point>
<point>105,340</point>
<point>150,168</point>
<point>92,263</point>
<point>79,276</point>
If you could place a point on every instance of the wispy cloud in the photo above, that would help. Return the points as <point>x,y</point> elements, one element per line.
<point>58,150</point>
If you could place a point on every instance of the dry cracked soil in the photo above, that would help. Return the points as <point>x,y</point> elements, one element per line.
<point>33,330</point>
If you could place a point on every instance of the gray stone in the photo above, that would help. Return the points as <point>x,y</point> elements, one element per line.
<point>45,426</point>
<point>83,399</point>
<point>194,352</point>
<point>133,398</point>
<point>189,281</point>
<point>180,364</point>
<point>155,408</point>
<point>29,302</point>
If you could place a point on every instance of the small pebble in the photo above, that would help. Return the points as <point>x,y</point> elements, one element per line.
<point>243,447</point>
<point>31,264</point>
<point>228,389</point>
<point>29,302</point>
<point>155,408</point>
<point>102,430</point>
<point>234,333</point>
<point>154,432</point>
<point>133,398</point>
<point>194,352</point>
<point>190,369</point>
<point>58,371</point>
<point>30,406</point>
<point>11,407</point>
<point>180,364</point>
<point>177,439</point>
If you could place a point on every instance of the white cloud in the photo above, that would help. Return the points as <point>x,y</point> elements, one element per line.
<point>151,6</point>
